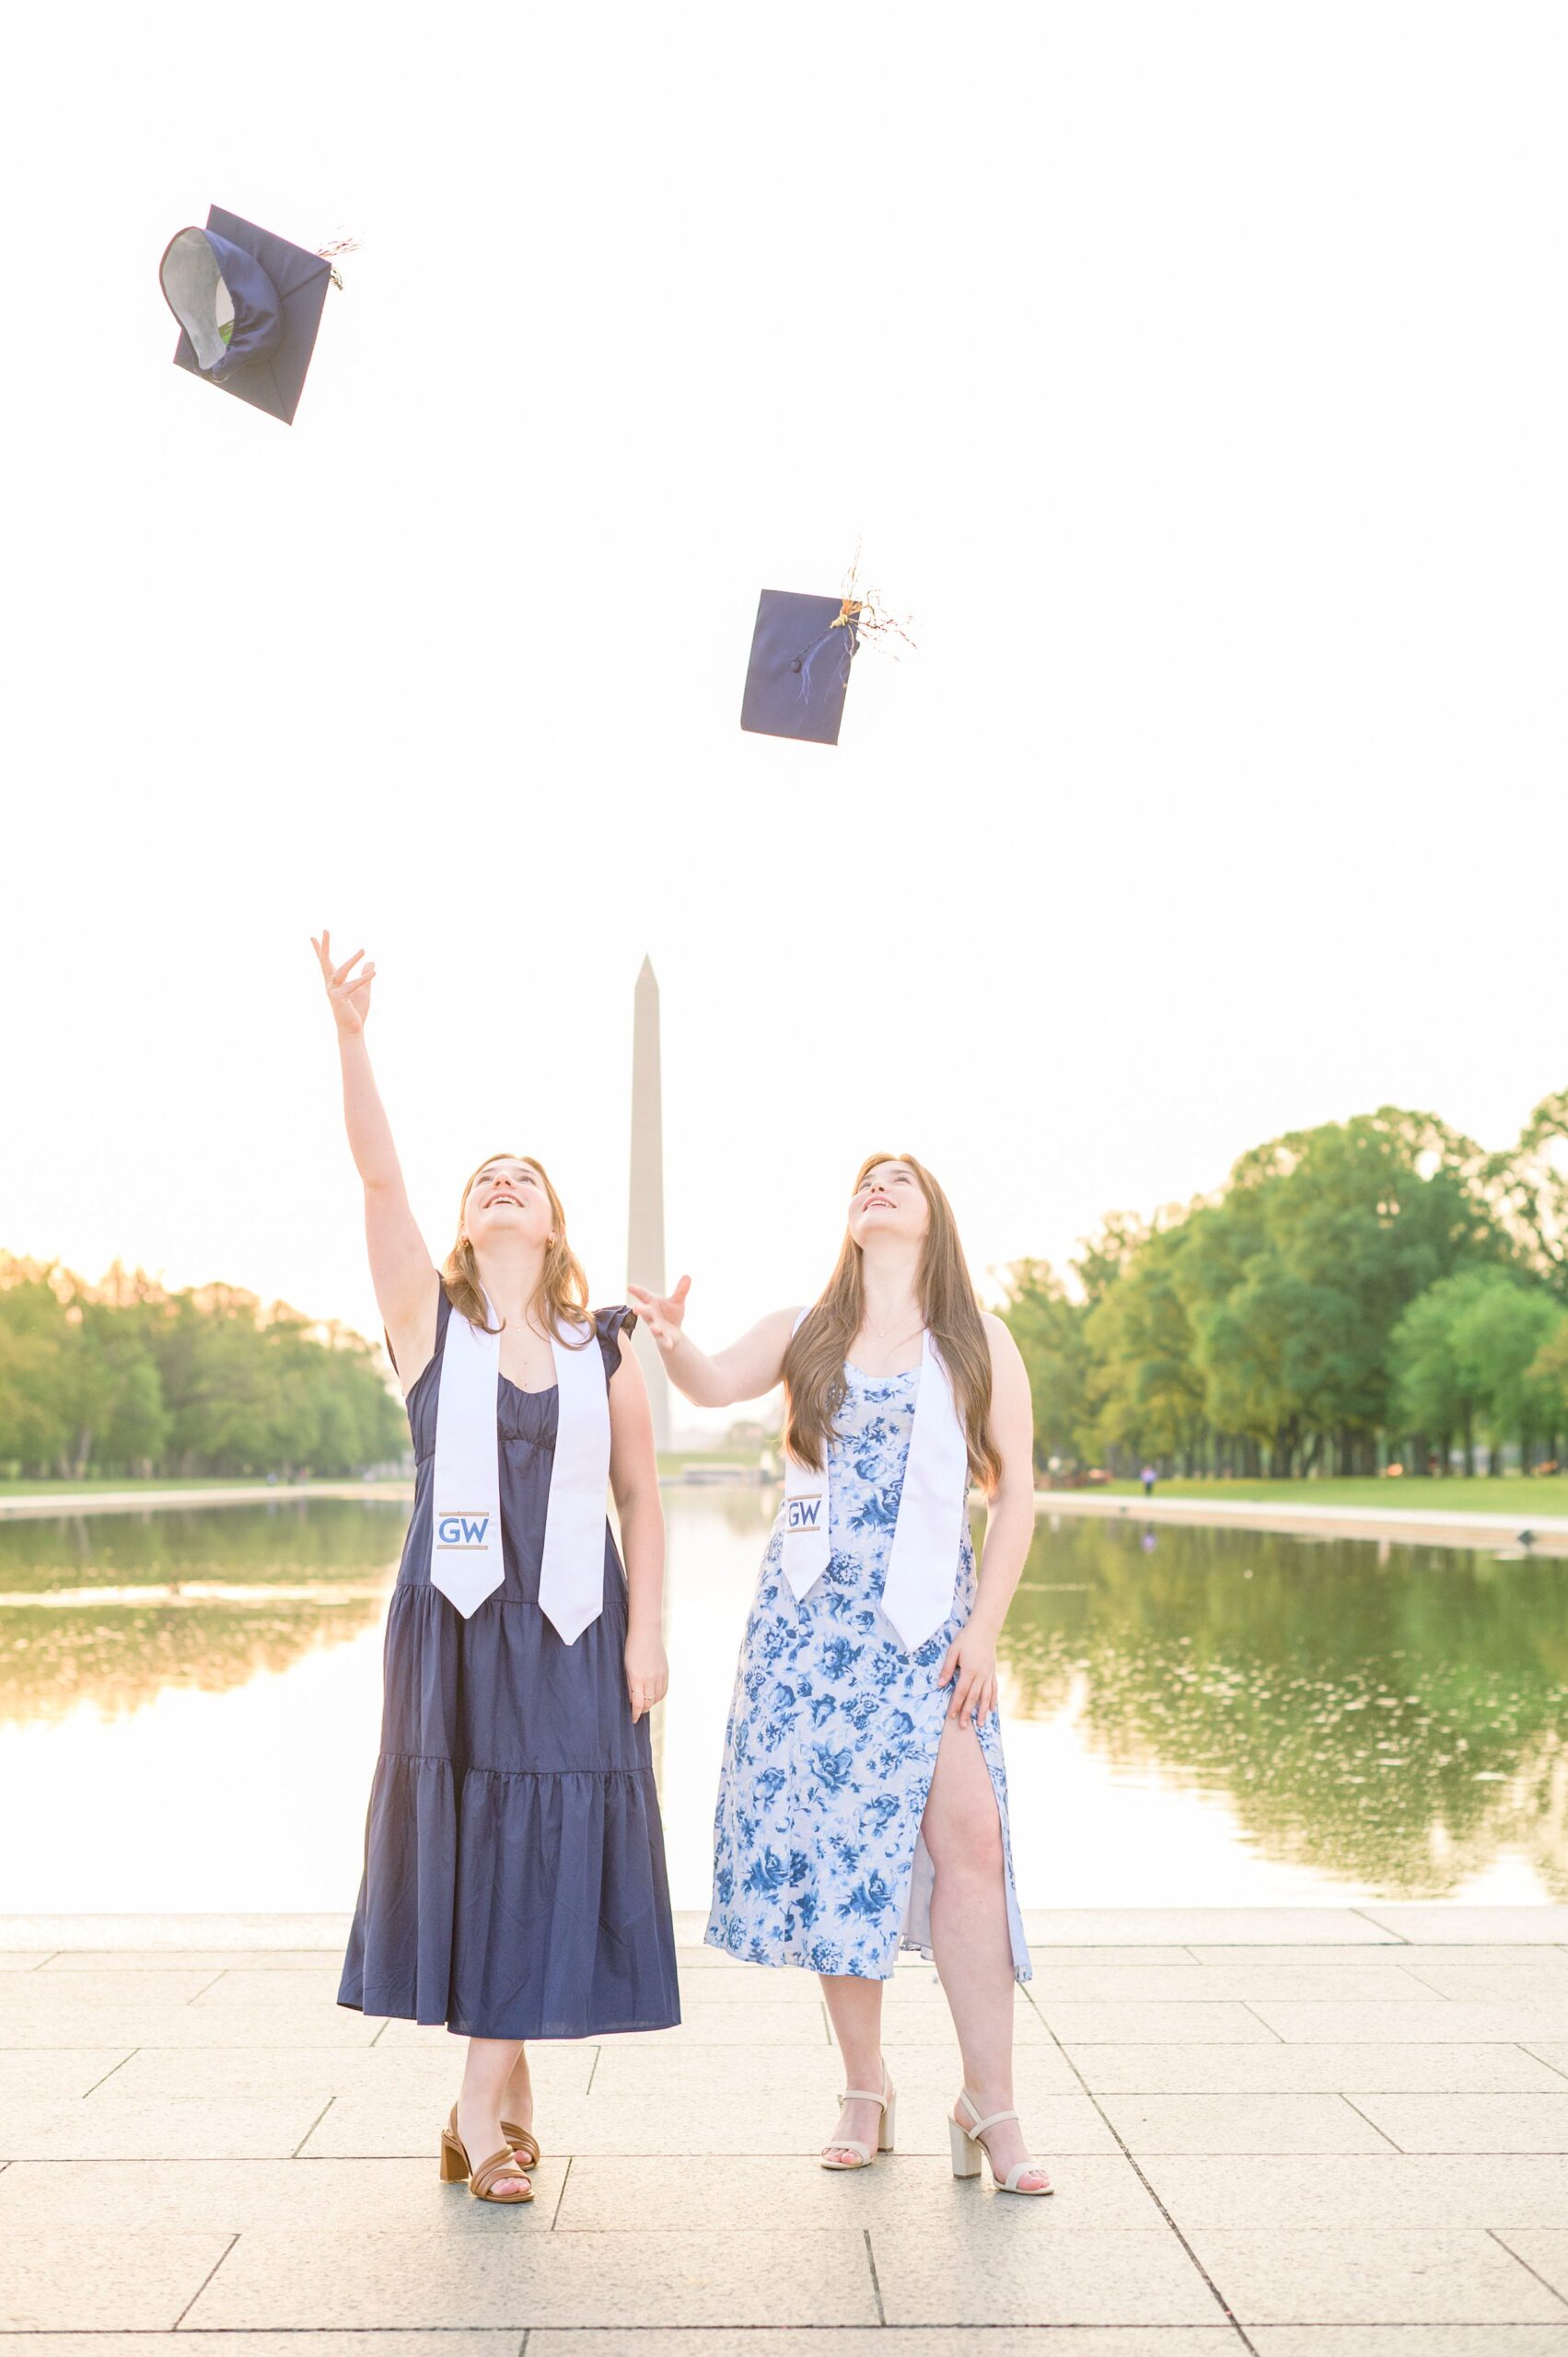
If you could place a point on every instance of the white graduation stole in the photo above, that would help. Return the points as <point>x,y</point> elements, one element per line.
<point>465,1561</point>
<point>923,1564</point>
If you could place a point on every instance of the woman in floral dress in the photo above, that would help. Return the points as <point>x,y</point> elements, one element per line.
<point>863,1806</point>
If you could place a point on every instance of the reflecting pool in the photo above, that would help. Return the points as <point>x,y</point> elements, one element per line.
<point>189,1701</point>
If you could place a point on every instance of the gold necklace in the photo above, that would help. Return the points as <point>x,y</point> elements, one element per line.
<point>881,1332</point>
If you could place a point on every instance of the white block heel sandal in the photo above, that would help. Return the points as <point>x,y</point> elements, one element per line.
<point>967,2147</point>
<point>887,2102</point>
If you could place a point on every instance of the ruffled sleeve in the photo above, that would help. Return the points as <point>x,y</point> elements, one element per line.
<point>611,1324</point>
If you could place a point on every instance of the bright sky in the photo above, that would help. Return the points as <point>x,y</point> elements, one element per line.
<point>1193,378</point>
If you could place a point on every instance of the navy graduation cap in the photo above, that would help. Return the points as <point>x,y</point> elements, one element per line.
<point>801,653</point>
<point>248,306</point>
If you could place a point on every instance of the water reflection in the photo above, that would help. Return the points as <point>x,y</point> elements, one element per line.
<point>1209,1716</point>
<point>284,1540</point>
<point>207,1620</point>
<point>1392,1716</point>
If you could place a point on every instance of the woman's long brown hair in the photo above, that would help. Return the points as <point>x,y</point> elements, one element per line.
<point>814,1363</point>
<point>562,1291</point>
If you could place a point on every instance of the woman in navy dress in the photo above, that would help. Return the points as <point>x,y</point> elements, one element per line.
<point>514,1881</point>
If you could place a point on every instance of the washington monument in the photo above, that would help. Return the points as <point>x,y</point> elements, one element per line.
<point>645,1231</point>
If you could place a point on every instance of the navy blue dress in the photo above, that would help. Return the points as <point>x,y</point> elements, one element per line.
<point>514,1877</point>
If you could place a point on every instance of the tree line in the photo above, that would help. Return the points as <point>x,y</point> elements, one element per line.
<point>1366,1294</point>
<point>127,1377</point>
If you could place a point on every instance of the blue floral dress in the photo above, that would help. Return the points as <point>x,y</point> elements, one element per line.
<point>833,1732</point>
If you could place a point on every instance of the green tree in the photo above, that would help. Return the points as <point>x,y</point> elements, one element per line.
<point>1050,1332</point>
<point>1467,1356</point>
<point>1146,1387</point>
<point>1529,1189</point>
<point>35,1425</point>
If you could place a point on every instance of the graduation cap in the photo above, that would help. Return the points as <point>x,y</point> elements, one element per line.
<point>248,306</point>
<point>801,652</point>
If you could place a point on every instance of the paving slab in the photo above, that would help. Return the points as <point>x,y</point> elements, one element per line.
<point>24,1994</point>
<point>245,1986</point>
<point>1554,2057</point>
<point>267,2344</point>
<point>1362,2191</point>
<point>195,1959</point>
<point>1259,1976</point>
<point>82,2279</point>
<point>1326,2068</point>
<point>1544,1982</point>
<point>1430,2277</point>
<point>293,2281</point>
<point>1196,2023</point>
<point>887,2341</point>
<point>1465,1926</point>
<point>408,2075</point>
<point>1046,1957</point>
<point>1244,2123</point>
<point>142,2128</point>
<point>927,2074</point>
<point>1004,2270</point>
<point>1546,2252</point>
<point>728,1978</point>
<point>1228,1926</point>
<point>322,2197</point>
<point>1409,2023</point>
<point>197,1933</point>
<point>1402,1955</point>
<point>916,2192</point>
<point>1461,2124</point>
<point>65,2023</point>
<point>56,2073</point>
<point>1409,2340</point>
<point>730,2025</point>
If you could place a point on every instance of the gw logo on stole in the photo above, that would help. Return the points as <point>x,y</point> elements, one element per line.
<point>804,1514</point>
<point>462,1531</point>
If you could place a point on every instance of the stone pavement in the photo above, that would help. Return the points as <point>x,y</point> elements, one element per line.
<point>1309,2132</point>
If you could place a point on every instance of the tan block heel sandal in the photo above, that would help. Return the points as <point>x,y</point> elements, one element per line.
<point>454,2167</point>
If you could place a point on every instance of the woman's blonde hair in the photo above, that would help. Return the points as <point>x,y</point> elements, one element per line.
<point>814,1363</point>
<point>562,1291</point>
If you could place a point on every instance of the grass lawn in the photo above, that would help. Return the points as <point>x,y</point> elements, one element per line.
<point>128,1482</point>
<point>1513,1494</point>
<point>262,1487</point>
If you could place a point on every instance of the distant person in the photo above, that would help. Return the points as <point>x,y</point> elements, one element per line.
<point>1148,1478</point>
<point>862,1802</point>
<point>514,1881</point>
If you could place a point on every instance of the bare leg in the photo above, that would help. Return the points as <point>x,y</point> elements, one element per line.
<point>516,2096</point>
<point>486,2072</point>
<point>969,1933</point>
<point>854,2008</point>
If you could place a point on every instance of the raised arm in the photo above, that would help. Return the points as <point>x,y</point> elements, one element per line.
<point>747,1369</point>
<point>400,1268</point>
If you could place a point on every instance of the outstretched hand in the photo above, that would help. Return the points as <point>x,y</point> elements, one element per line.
<point>348,993</point>
<point>662,1314</point>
